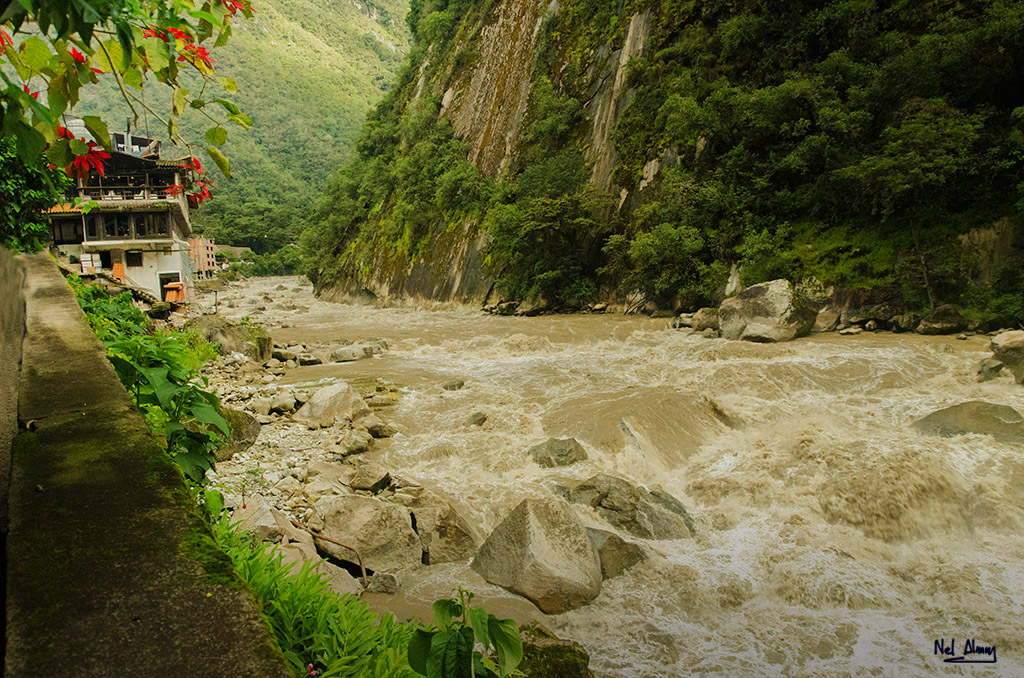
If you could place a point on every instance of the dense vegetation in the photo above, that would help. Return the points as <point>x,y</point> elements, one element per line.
<point>24,193</point>
<point>849,141</point>
<point>307,71</point>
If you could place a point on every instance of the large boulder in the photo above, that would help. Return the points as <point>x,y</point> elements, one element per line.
<point>557,452</point>
<point>249,340</point>
<point>650,515</point>
<point>976,416</point>
<point>381,531</point>
<point>946,319</point>
<point>768,312</point>
<point>545,655</point>
<point>446,536</point>
<point>349,353</point>
<point>826,320</point>
<point>542,552</point>
<point>244,431</point>
<point>1008,348</point>
<point>705,319</point>
<point>331,404</point>
<point>617,555</point>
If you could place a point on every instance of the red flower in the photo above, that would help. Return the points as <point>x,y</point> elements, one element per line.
<point>91,160</point>
<point>195,53</point>
<point>34,95</point>
<point>176,189</point>
<point>196,166</point>
<point>5,39</point>
<point>233,5</point>
<point>152,33</point>
<point>77,56</point>
<point>179,34</point>
<point>196,198</point>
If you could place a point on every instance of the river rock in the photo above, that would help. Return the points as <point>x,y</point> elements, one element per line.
<point>381,531</point>
<point>945,319</point>
<point>445,535</point>
<point>976,416</point>
<point>375,427</point>
<point>617,555</point>
<point>989,369</point>
<point>453,385</point>
<point>282,402</point>
<point>826,320</point>
<point>545,655</point>
<point>767,312</point>
<point>704,319</point>
<point>507,307</point>
<point>853,329</point>
<point>1008,348</point>
<point>338,580</point>
<point>244,431</point>
<point>475,419</point>
<point>905,322</point>
<point>557,452</point>
<point>532,307</point>
<point>283,354</point>
<point>650,515</point>
<point>308,359</point>
<point>335,403</point>
<point>542,552</point>
<point>355,441</point>
<point>350,353</point>
<point>383,582</point>
<point>370,476</point>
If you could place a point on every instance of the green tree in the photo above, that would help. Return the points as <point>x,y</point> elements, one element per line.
<point>24,193</point>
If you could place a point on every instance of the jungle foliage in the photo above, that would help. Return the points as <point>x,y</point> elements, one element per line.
<point>850,141</point>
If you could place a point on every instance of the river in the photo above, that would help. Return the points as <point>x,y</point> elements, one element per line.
<point>831,538</point>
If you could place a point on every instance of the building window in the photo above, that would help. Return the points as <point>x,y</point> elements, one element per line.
<point>133,259</point>
<point>93,226</point>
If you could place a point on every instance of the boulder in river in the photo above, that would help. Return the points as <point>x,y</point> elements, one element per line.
<point>370,476</point>
<point>334,403</point>
<point>541,551</point>
<point>249,340</point>
<point>557,452</point>
<point>976,416</point>
<point>768,312</point>
<point>826,320</point>
<point>545,655</point>
<point>381,531</point>
<point>350,353</point>
<point>475,419</point>
<point>705,319</point>
<point>1008,348</point>
<point>446,536</point>
<point>989,369</point>
<point>650,515</point>
<point>617,555</point>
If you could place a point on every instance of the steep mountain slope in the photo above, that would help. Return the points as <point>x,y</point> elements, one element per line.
<point>307,72</point>
<point>585,148</point>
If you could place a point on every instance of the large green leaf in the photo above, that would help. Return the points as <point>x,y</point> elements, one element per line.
<point>508,643</point>
<point>163,388</point>
<point>445,610</point>
<point>35,53</point>
<point>98,129</point>
<point>478,617</point>
<point>220,159</point>
<point>206,413</point>
<point>216,136</point>
<point>419,650</point>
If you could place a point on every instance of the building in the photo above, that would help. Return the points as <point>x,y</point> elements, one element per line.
<point>136,223</point>
<point>203,254</point>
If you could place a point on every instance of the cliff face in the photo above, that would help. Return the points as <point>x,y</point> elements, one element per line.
<point>574,149</point>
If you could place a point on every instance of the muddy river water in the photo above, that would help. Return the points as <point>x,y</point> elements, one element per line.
<point>831,538</point>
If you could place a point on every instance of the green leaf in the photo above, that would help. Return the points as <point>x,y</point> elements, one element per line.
<point>178,105</point>
<point>228,84</point>
<point>197,103</point>
<point>509,645</point>
<point>163,388</point>
<point>241,119</point>
<point>443,661</point>
<point>478,618</point>
<point>35,53</point>
<point>59,153</point>
<point>445,610</point>
<point>464,653</point>
<point>79,147</point>
<point>98,129</point>
<point>222,162</point>
<point>216,136</point>
<point>207,414</point>
<point>214,503</point>
<point>156,52</point>
<point>109,56</point>
<point>229,105</point>
<point>55,98</point>
<point>133,77</point>
<point>419,650</point>
<point>200,14</point>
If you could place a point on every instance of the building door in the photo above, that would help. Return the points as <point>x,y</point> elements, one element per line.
<point>167,278</point>
<point>105,261</point>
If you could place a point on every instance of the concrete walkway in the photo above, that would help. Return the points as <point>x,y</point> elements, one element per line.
<point>109,571</point>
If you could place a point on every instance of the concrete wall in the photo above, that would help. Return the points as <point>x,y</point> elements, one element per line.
<point>110,570</point>
<point>12,327</point>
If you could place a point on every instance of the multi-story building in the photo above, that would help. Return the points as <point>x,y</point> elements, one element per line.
<point>135,222</point>
<point>203,255</point>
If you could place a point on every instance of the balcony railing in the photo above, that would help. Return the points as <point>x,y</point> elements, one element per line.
<point>124,193</point>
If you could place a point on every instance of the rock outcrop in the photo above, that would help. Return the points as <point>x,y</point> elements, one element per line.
<point>542,552</point>
<point>945,319</point>
<point>250,340</point>
<point>380,530</point>
<point>1008,348</point>
<point>335,403</point>
<point>617,555</point>
<point>650,515</point>
<point>768,312</point>
<point>557,452</point>
<point>976,416</point>
<point>244,431</point>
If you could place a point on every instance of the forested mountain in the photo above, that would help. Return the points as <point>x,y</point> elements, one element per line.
<point>590,148</point>
<point>307,72</point>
